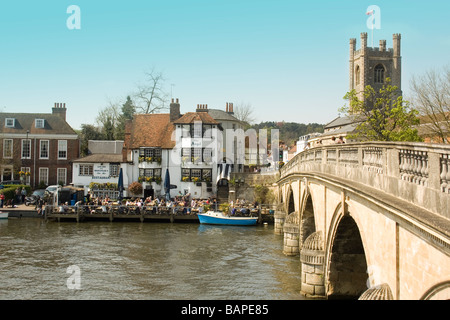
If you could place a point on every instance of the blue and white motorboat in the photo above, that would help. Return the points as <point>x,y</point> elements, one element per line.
<point>4,215</point>
<point>217,217</point>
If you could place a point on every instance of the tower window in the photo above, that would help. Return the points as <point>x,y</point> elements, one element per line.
<point>379,74</point>
<point>357,75</point>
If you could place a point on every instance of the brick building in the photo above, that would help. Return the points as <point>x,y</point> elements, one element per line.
<point>42,145</point>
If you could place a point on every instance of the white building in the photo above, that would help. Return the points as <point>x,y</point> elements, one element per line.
<point>185,145</point>
<point>98,172</point>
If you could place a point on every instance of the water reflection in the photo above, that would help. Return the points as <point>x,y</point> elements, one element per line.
<point>144,261</point>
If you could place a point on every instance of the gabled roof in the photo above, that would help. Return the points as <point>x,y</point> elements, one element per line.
<point>101,158</point>
<point>150,130</point>
<point>54,124</point>
<point>218,114</point>
<point>339,121</point>
<point>191,117</point>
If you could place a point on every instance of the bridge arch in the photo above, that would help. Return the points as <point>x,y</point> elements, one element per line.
<point>290,203</point>
<point>307,218</point>
<point>346,263</point>
<point>437,292</point>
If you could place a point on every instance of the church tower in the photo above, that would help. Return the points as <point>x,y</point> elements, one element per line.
<point>371,66</point>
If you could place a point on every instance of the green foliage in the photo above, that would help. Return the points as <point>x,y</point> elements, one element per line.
<point>289,131</point>
<point>381,115</point>
<point>10,190</point>
<point>263,194</point>
<point>113,126</point>
<point>128,111</point>
<point>88,132</point>
<point>224,207</point>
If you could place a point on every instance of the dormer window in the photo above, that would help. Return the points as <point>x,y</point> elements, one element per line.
<point>39,123</point>
<point>10,122</point>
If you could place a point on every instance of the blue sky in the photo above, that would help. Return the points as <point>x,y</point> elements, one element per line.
<point>287,59</point>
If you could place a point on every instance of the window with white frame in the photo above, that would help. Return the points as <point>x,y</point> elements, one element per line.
<point>7,148</point>
<point>43,153</point>
<point>43,176</point>
<point>10,122</point>
<point>62,149</point>
<point>26,149</point>
<point>39,123</point>
<point>61,175</point>
<point>196,155</point>
<point>207,154</point>
<point>114,170</point>
<point>86,170</point>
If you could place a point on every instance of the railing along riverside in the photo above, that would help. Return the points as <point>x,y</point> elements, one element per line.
<point>415,172</point>
<point>136,210</point>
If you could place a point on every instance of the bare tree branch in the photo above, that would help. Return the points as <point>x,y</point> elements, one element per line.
<point>244,113</point>
<point>151,96</point>
<point>431,97</point>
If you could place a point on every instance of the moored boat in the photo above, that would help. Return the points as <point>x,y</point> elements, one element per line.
<point>4,215</point>
<point>217,217</point>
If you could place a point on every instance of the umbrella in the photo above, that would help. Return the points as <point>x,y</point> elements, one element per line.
<point>167,185</point>
<point>120,184</point>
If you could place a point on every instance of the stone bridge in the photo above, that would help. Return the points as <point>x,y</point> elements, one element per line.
<point>369,220</point>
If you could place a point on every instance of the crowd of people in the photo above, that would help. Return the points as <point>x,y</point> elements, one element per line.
<point>334,140</point>
<point>181,204</point>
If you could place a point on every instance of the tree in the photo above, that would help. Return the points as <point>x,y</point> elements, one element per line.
<point>244,112</point>
<point>381,116</point>
<point>151,96</point>
<point>128,111</point>
<point>88,132</point>
<point>107,121</point>
<point>431,97</point>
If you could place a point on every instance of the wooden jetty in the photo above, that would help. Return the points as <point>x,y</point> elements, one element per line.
<point>130,213</point>
<point>85,213</point>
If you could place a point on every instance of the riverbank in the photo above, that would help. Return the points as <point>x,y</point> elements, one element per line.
<point>21,211</point>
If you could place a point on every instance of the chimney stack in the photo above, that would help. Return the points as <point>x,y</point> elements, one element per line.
<point>230,108</point>
<point>174,110</point>
<point>60,110</point>
<point>202,108</point>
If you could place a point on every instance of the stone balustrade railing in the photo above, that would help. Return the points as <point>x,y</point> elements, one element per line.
<point>415,172</point>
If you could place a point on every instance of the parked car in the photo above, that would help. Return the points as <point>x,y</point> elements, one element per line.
<point>52,189</point>
<point>34,197</point>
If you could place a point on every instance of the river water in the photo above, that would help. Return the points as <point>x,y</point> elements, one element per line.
<point>115,260</point>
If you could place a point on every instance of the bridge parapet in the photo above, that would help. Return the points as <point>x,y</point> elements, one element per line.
<point>416,172</point>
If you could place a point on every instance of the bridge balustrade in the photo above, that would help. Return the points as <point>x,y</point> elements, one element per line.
<point>415,172</point>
